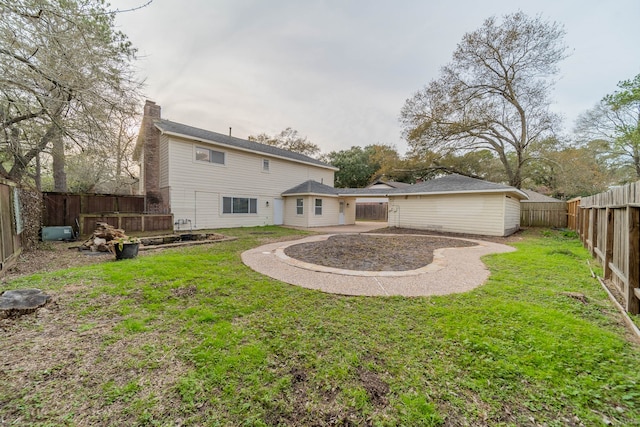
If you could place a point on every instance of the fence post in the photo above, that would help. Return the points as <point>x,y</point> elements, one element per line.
<point>608,251</point>
<point>633,304</point>
<point>594,231</point>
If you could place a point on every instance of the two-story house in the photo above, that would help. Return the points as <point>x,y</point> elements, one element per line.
<point>212,180</point>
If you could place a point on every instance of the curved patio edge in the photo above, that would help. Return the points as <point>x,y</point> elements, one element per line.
<point>454,270</point>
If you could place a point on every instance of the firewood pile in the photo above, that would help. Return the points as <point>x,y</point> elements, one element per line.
<point>102,237</point>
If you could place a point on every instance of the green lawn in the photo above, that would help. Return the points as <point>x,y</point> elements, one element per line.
<point>193,337</point>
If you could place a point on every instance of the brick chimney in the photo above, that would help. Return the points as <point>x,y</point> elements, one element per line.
<point>154,202</point>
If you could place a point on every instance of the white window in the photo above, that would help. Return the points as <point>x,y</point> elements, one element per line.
<point>210,156</point>
<point>318,206</point>
<point>265,165</point>
<point>299,206</point>
<point>239,205</point>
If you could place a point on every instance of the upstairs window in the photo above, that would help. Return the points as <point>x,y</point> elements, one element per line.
<point>318,206</point>
<point>299,206</point>
<point>211,156</point>
<point>239,205</point>
<point>265,165</point>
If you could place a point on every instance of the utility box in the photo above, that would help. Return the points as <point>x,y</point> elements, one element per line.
<point>63,232</point>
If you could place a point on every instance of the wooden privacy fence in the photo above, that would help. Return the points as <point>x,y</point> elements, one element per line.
<point>609,226</point>
<point>573,206</point>
<point>125,212</point>
<point>372,211</point>
<point>10,226</point>
<point>127,222</point>
<point>543,214</point>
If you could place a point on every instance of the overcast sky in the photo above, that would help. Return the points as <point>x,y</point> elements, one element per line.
<point>339,71</point>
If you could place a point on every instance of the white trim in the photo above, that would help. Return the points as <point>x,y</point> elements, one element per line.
<point>311,194</point>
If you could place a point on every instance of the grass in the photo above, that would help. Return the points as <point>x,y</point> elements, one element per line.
<point>193,337</point>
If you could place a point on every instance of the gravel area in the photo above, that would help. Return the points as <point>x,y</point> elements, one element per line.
<point>373,253</point>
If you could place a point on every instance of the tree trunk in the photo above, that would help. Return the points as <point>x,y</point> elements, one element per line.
<point>59,175</point>
<point>38,175</point>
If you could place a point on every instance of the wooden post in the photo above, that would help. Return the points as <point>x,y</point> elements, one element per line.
<point>608,250</point>
<point>633,304</point>
<point>585,225</point>
<point>594,231</point>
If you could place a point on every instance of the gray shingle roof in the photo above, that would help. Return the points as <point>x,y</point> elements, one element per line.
<point>448,184</point>
<point>537,197</point>
<point>312,187</point>
<point>452,183</point>
<point>243,144</point>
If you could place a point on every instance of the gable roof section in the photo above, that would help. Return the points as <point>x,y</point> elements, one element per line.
<point>457,184</point>
<point>537,197</point>
<point>190,132</point>
<point>311,187</point>
<point>451,184</point>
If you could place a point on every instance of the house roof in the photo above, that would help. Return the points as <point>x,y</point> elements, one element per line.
<point>455,183</point>
<point>178,129</point>
<point>451,184</point>
<point>537,197</point>
<point>311,187</point>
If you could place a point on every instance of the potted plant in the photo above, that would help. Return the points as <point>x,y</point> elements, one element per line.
<point>125,247</point>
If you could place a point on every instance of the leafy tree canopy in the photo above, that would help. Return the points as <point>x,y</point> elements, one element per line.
<point>66,71</point>
<point>616,120</point>
<point>494,95</point>
<point>288,139</point>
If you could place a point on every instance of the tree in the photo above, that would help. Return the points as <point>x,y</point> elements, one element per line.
<point>356,167</point>
<point>65,72</point>
<point>493,95</point>
<point>616,120</point>
<point>288,139</point>
<point>570,171</point>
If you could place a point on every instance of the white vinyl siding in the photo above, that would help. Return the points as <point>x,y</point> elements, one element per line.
<point>237,178</point>
<point>206,210</point>
<point>330,212</point>
<point>457,213</point>
<point>164,159</point>
<point>512,215</point>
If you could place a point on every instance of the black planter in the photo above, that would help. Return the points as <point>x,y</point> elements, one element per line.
<point>127,250</point>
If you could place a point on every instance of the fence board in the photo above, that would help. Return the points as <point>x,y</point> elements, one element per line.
<point>572,213</point>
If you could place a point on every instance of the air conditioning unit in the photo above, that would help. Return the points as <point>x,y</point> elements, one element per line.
<point>62,232</point>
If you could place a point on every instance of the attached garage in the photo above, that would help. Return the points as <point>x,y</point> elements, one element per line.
<point>457,204</point>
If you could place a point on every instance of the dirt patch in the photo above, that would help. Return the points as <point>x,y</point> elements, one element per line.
<point>52,256</point>
<point>515,237</point>
<point>373,253</point>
